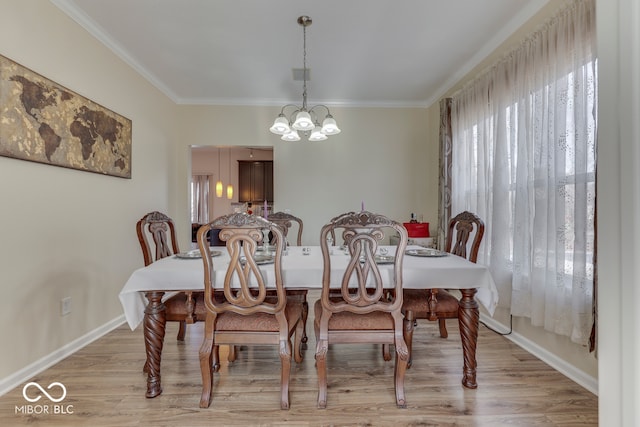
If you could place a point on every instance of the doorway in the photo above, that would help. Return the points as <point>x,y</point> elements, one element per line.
<point>213,164</point>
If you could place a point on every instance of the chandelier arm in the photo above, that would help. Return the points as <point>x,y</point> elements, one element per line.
<point>289,105</point>
<point>319,105</point>
<point>291,116</point>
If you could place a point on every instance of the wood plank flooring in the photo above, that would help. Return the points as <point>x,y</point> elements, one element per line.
<point>105,386</point>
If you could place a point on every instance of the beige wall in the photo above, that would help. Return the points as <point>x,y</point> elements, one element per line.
<point>66,232</point>
<point>383,157</point>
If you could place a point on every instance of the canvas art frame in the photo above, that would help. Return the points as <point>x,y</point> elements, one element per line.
<point>44,122</point>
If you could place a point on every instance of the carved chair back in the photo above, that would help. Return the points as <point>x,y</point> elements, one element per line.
<point>467,229</point>
<point>245,288</point>
<point>362,286</point>
<point>158,229</point>
<point>285,221</point>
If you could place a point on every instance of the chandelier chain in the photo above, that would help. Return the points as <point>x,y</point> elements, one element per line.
<point>304,69</point>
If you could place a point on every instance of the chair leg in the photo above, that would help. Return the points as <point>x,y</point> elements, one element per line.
<point>297,343</point>
<point>285,362</point>
<point>206,363</point>
<point>442,324</point>
<point>305,315</point>
<point>409,324</point>
<point>182,329</point>
<point>401,368</point>
<point>321,366</point>
<point>316,331</point>
<point>302,297</point>
<point>215,358</point>
<point>233,353</point>
<point>386,352</point>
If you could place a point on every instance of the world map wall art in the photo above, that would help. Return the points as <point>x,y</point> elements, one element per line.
<point>44,122</point>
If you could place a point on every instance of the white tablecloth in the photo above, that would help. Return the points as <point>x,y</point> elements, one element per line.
<point>305,271</point>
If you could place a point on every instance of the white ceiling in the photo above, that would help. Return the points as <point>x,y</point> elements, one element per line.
<point>360,52</point>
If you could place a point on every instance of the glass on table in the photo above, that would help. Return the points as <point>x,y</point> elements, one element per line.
<point>330,244</point>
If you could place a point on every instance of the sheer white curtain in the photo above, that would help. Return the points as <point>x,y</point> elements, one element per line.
<point>200,199</point>
<point>523,140</point>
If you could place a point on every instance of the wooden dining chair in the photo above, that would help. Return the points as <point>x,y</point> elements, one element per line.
<point>157,236</point>
<point>464,235</point>
<point>358,308</point>
<point>286,222</point>
<point>244,313</point>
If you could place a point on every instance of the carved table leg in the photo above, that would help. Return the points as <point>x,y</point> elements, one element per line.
<point>155,319</point>
<point>468,319</point>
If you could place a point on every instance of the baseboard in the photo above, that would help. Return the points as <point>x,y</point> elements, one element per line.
<point>568,370</point>
<point>9,383</point>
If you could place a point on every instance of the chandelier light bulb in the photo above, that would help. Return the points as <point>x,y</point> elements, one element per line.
<point>317,135</point>
<point>280,125</point>
<point>329,126</point>
<point>303,121</point>
<point>291,136</point>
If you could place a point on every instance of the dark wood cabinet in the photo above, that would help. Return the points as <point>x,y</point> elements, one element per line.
<point>268,181</point>
<point>255,181</point>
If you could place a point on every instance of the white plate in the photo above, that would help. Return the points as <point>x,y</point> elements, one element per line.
<point>426,252</point>
<point>195,254</point>
<point>260,259</point>
<point>382,259</point>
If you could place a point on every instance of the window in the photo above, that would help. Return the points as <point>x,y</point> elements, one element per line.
<point>523,159</point>
<point>200,199</point>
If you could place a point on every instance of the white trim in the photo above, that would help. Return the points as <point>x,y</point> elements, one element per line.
<point>77,14</point>
<point>560,365</point>
<point>12,381</point>
<point>270,102</point>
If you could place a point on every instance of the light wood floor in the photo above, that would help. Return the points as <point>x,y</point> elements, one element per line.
<point>106,387</point>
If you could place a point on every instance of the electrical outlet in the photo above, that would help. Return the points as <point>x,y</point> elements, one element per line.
<point>65,306</point>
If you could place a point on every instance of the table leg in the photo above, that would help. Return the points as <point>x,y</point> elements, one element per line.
<point>155,319</point>
<point>468,319</point>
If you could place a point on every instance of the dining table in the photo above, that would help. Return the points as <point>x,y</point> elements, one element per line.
<point>148,287</point>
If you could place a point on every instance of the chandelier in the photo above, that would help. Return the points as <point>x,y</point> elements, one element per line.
<point>302,119</point>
